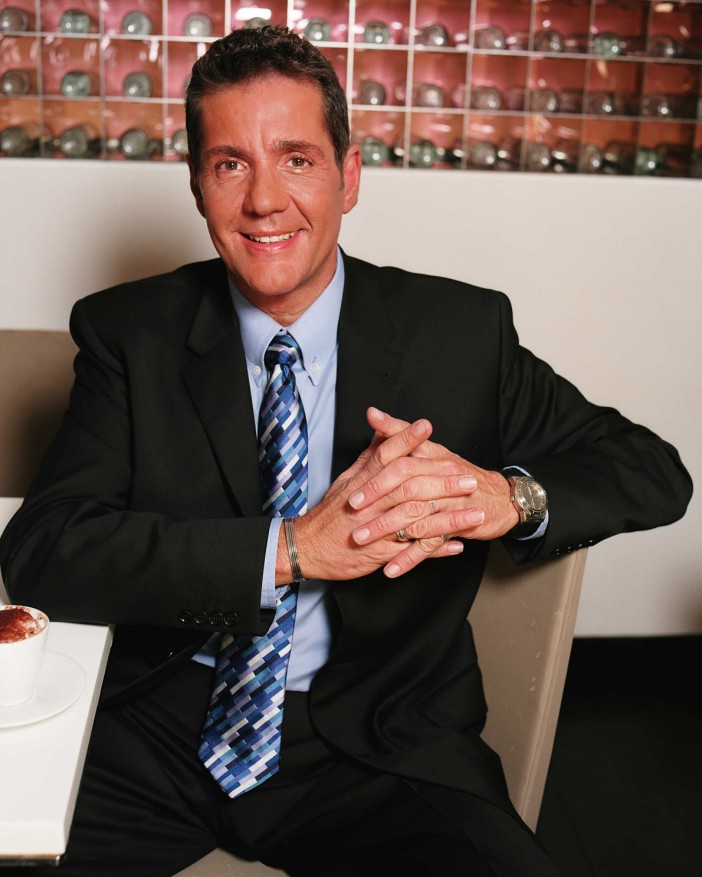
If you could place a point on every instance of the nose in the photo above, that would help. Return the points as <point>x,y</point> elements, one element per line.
<point>266,192</point>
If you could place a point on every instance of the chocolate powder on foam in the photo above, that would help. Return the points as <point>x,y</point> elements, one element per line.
<point>17,624</point>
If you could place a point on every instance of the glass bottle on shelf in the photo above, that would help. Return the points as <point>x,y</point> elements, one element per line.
<point>137,24</point>
<point>79,141</point>
<point>544,100</point>
<point>76,83</point>
<point>482,154</point>
<point>318,30</point>
<point>590,159</point>
<point>135,144</point>
<point>661,106</point>
<point>179,142</point>
<point>600,103</point>
<point>374,151</point>
<point>608,44</point>
<point>74,21</point>
<point>646,161</point>
<point>664,46</point>
<point>17,141</point>
<point>549,40</point>
<point>487,97</point>
<point>255,22</point>
<point>428,94</point>
<point>491,37</point>
<point>375,32</point>
<point>434,35</point>
<point>423,154</point>
<point>372,93</point>
<point>15,83</point>
<point>537,157</point>
<point>137,85</point>
<point>13,20</point>
<point>197,25</point>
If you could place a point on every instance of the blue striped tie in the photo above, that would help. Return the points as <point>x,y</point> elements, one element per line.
<point>240,743</point>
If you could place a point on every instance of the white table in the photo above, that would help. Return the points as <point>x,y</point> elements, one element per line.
<point>41,763</point>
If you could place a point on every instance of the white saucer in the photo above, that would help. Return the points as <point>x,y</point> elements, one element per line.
<point>61,681</point>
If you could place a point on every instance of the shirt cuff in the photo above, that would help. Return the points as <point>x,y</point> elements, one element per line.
<point>268,596</point>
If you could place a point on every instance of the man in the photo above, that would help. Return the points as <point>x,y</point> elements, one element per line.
<point>262,446</point>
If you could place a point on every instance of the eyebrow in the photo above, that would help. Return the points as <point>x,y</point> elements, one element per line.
<point>280,146</point>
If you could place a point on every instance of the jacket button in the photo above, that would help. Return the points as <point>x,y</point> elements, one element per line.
<point>216,619</point>
<point>231,618</point>
<point>185,616</point>
<point>201,618</point>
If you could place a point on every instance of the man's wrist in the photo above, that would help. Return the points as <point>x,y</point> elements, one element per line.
<point>293,556</point>
<point>529,500</point>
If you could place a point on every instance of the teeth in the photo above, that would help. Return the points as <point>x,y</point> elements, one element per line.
<point>270,239</point>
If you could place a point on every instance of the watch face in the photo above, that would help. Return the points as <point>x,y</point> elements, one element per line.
<point>534,495</point>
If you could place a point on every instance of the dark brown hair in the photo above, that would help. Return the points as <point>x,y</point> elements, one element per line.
<point>254,53</point>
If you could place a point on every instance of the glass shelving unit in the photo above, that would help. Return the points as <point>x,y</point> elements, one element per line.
<point>568,86</point>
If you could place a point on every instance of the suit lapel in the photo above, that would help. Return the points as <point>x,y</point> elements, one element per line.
<point>369,363</point>
<point>217,382</point>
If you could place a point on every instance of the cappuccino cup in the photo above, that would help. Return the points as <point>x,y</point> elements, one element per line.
<point>23,633</point>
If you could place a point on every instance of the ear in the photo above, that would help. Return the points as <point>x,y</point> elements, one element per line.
<point>195,187</point>
<point>351,177</point>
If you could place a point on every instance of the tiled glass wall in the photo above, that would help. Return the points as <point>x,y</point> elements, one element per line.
<point>566,86</point>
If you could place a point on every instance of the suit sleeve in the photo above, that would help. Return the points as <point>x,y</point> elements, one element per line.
<point>603,474</point>
<point>79,550</point>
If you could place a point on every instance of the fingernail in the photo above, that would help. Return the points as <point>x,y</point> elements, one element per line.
<point>356,499</point>
<point>454,547</point>
<point>476,516</point>
<point>468,482</point>
<point>392,570</point>
<point>375,412</point>
<point>421,427</point>
<point>362,534</point>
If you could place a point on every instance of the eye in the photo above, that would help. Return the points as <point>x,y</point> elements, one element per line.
<point>299,161</point>
<point>228,165</point>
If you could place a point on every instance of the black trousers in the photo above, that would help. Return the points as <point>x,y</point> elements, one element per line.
<point>147,807</point>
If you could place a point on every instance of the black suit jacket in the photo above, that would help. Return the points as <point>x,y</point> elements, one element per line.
<point>146,510</point>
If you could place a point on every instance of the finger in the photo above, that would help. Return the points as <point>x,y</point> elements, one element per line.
<point>417,523</point>
<point>393,448</point>
<point>385,425</point>
<point>419,551</point>
<point>410,478</point>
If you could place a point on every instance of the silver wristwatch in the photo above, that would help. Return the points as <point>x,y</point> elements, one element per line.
<point>529,499</point>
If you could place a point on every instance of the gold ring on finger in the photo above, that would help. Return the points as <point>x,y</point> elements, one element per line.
<point>402,536</point>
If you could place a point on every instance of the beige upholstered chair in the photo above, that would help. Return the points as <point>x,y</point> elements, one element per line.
<point>523,616</point>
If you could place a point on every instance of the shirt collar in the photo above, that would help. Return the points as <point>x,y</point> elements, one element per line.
<point>315,331</point>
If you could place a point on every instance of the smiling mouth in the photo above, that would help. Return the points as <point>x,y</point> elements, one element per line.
<point>270,238</point>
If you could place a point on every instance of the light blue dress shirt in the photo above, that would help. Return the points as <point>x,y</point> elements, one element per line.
<point>316,333</point>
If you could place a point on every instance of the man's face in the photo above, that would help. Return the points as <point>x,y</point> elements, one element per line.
<point>271,191</point>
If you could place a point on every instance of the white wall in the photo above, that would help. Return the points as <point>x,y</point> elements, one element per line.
<point>604,275</point>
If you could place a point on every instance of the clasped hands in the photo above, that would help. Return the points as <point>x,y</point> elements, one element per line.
<point>402,482</point>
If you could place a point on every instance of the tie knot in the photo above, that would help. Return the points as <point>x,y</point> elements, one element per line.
<point>283,350</point>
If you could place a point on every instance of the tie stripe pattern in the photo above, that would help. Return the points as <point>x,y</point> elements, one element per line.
<point>282,434</point>
<point>240,744</point>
